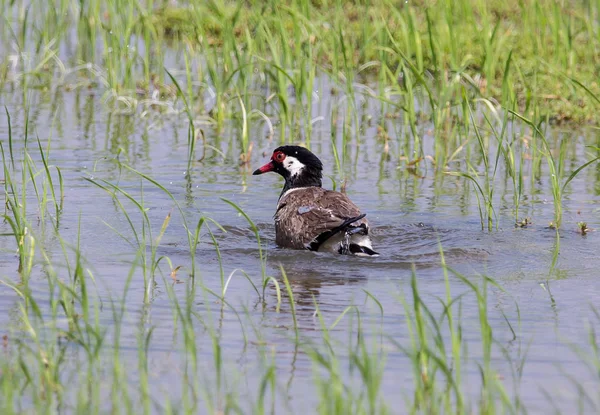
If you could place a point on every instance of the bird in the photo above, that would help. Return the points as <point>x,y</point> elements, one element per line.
<point>310,217</point>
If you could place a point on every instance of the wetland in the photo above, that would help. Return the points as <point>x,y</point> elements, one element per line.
<point>139,272</point>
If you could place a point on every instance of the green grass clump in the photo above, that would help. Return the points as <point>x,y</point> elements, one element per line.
<point>553,46</point>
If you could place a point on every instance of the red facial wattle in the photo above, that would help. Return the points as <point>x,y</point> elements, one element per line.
<point>278,157</point>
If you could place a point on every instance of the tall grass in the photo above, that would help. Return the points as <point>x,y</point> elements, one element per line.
<point>39,372</point>
<point>252,63</point>
<point>467,87</point>
<point>228,49</point>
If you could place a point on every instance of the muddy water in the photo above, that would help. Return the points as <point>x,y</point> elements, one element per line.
<point>412,215</point>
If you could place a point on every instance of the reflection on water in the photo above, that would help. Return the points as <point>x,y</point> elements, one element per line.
<point>412,216</point>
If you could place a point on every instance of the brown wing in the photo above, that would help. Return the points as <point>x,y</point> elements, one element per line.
<point>303,214</point>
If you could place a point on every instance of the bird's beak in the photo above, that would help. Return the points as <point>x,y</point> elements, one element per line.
<point>270,166</point>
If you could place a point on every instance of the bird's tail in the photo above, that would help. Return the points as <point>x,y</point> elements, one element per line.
<point>322,238</point>
<point>361,250</point>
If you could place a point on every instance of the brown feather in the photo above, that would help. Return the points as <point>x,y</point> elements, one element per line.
<point>304,213</point>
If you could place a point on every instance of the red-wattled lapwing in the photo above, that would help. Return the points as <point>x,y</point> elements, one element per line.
<point>310,217</point>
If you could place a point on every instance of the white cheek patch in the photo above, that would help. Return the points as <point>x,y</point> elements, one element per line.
<point>293,165</point>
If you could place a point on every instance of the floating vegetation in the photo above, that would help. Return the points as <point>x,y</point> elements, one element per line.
<point>523,223</point>
<point>583,228</point>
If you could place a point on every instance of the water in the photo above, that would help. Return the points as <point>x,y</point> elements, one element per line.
<point>411,217</point>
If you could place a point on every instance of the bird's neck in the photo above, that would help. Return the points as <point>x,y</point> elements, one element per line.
<point>306,179</point>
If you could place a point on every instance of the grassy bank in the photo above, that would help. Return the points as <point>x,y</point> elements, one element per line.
<point>537,57</point>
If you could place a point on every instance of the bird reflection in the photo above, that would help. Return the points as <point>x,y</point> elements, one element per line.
<point>309,274</point>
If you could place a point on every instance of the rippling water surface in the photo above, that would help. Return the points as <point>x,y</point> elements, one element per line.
<point>412,216</point>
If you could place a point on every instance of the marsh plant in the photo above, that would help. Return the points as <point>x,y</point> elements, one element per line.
<point>463,95</point>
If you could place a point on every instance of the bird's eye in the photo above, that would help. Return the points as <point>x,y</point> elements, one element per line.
<point>279,156</point>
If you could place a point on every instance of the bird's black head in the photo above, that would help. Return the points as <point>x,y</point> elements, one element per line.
<point>298,166</point>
